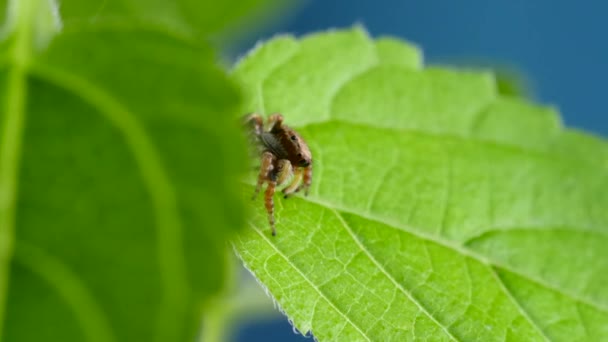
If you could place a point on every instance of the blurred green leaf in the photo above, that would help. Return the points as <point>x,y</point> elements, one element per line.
<point>184,15</point>
<point>439,210</point>
<point>119,158</point>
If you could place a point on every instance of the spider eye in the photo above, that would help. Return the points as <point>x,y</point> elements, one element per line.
<point>299,155</point>
<point>293,137</point>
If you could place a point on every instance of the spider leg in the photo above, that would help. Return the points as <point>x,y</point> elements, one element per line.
<point>269,202</point>
<point>293,186</point>
<point>307,180</point>
<point>275,121</point>
<point>265,170</point>
<point>278,177</point>
<point>254,121</point>
<point>284,171</point>
<point>255,127</point>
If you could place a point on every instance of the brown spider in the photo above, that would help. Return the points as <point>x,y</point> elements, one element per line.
<point>284,154</point>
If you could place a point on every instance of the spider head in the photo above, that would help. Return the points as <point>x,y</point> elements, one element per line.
<point>299,152</point>
<point>304,161</point>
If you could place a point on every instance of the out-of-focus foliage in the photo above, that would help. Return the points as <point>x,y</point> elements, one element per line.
<point>202,17</point>
<point>440,209</point>
<point>119,156</point>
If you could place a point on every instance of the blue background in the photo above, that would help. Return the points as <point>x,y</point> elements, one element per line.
<point>560,46</point>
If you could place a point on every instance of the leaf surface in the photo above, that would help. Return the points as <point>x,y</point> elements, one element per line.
<point>439,209</point>
<point>119,157</point>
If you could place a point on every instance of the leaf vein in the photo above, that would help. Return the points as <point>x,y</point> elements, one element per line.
<point>447,192</point>
<point>70,288</point>
<point>517,304</point>
<point>409,295</point>
<point>162,193</point>
<point>381,180</point>
<point>456,248</point>
<point>310,283</point>
<point>581,320</point>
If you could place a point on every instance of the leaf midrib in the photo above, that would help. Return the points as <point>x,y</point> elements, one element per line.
<point>569,159</point>
<point>454,247</point>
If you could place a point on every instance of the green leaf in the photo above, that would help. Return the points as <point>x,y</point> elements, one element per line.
<point>439,209</point>
<point>119,157</point>
<point>192,16</point>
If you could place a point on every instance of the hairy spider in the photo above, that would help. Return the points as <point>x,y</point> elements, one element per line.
<point>285,156</point>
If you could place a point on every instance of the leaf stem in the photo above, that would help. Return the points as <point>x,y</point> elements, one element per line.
<point>21,13</point>
<point>242,299</point>
<point>215,322</point>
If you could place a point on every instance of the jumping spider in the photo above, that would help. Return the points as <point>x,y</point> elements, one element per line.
<point>284,154</point>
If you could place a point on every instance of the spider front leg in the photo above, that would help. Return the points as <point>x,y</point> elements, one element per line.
<point>295,183</point>
<point>255,122</point>
<point>307,179</point>
<point>276,178</point>
<point>255,127</point>
<point>275,121</point>
<point>284,171</point>
<point>302,180</point>
<point>269,203</point>
<point>265,170</point>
